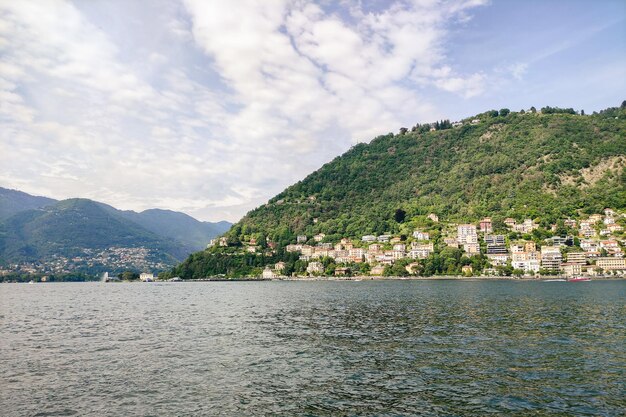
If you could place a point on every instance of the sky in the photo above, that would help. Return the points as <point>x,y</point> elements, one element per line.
<point>213,107</point>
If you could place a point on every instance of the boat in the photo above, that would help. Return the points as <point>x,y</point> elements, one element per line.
<point>555,280</point>
<point>31,282</point>
<point>578,279</point>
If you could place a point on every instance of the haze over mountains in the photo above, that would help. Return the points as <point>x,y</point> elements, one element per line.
<point>36,228</point>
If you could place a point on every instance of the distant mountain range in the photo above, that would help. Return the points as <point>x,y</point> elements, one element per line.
<point>38,229</point>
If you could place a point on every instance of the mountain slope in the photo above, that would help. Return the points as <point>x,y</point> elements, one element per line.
<point>531,165</point>
<point>178,226</point>
<point>69,226</point>
<point>13,201</point>
<point>544,166</point>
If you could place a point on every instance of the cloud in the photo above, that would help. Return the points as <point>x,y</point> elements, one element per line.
<point>236,101</point>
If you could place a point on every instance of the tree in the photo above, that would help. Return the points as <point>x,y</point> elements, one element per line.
<point>403,130</point>
<point>533,109</point>
<point>129,276</point>
<point>504,112</point>
<point>399,216</point>
<point>492,113</point>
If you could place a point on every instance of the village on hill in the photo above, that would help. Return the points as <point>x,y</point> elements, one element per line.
<point>591,246</point>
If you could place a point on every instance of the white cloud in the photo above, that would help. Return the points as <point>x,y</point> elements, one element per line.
<point>245,98</point>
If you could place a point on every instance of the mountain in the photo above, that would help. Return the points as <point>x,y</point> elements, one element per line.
<point>13,201</point>
<point>88,236</point>
<point>178,226</point>
<point>546,165</point>
<point>67,227</point>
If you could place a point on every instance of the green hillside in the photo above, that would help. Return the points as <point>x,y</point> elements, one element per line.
<point>544,166</point>
<point>178,226</point>
<point>69,226</point>
<point>13,201</point>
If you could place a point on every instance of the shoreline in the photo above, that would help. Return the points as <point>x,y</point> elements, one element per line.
<point>358,278</point>
<point>442,278</point>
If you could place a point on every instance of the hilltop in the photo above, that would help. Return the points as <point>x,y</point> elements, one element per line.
<point>546,166</point>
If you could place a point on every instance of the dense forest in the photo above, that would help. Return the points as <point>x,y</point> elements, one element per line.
<point>545,165</point>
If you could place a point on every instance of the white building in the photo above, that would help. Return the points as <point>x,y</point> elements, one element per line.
<point>146,277</point>
<point>467,234</point>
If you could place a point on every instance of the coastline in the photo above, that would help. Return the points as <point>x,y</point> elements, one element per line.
<point>442,278</point>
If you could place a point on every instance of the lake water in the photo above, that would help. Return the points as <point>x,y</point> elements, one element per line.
<point>313,348</point>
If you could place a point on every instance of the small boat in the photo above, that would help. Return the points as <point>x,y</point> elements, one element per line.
<point>31,282</point>
<point>578,279</point>
<point>555,280</point>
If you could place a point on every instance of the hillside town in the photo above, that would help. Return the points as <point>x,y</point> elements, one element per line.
<point>113,258</point>
<point>596,247</point>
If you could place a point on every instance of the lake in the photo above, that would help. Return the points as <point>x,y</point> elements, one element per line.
<point>313,348</point>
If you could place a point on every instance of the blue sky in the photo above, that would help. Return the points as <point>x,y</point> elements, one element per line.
<point>213,107</point>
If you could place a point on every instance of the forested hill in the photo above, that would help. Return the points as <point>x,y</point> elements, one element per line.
<point>546,165</point>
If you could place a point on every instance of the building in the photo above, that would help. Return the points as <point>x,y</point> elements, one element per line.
<point>496,249</point>
<point>293,248</point>
<point>342,271</point>
<point>589,245</point>
<point>419,235</point>
<point>315,268</point>
<point>146,277</point>
<point>369,238</point>
<point>571,269</point>
<point>526,226</point>
<point>613,227</point>
<point>467,270</point>
<point>433,217</point>
<point>383,238</point>
<point>595,218</point>
<point>301,238</point>
<point>268,273</point>
<point>551,258</point>
<point>319,237</point>
<point>570,223</point>
<point>375,247</point>
<point>611,264</point>
<point>558,240</point>
<point>421,250</point>
<point>279,266</point>
<point>486,225</point>
<point>471,248</point>
<point>467,234</point>
<point>451,242</point>
<point>578,258</point>
<point>510,223</point>
<point>399,247</point>
<point>498,259</point>
<point>495,240</point>
<point>525,258</point>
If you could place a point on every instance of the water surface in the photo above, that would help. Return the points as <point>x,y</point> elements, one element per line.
<point>313,348</point>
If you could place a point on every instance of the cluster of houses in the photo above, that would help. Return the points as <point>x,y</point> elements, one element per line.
<point>598,251</point>
<point>114,257</point>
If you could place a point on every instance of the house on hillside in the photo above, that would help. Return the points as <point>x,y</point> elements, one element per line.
<point>433,217</point>
<point>268,273</point>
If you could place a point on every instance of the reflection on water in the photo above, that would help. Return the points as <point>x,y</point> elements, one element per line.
<point>316,348</point>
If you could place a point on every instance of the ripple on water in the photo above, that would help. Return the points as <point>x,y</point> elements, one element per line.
<point>314,348</point>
